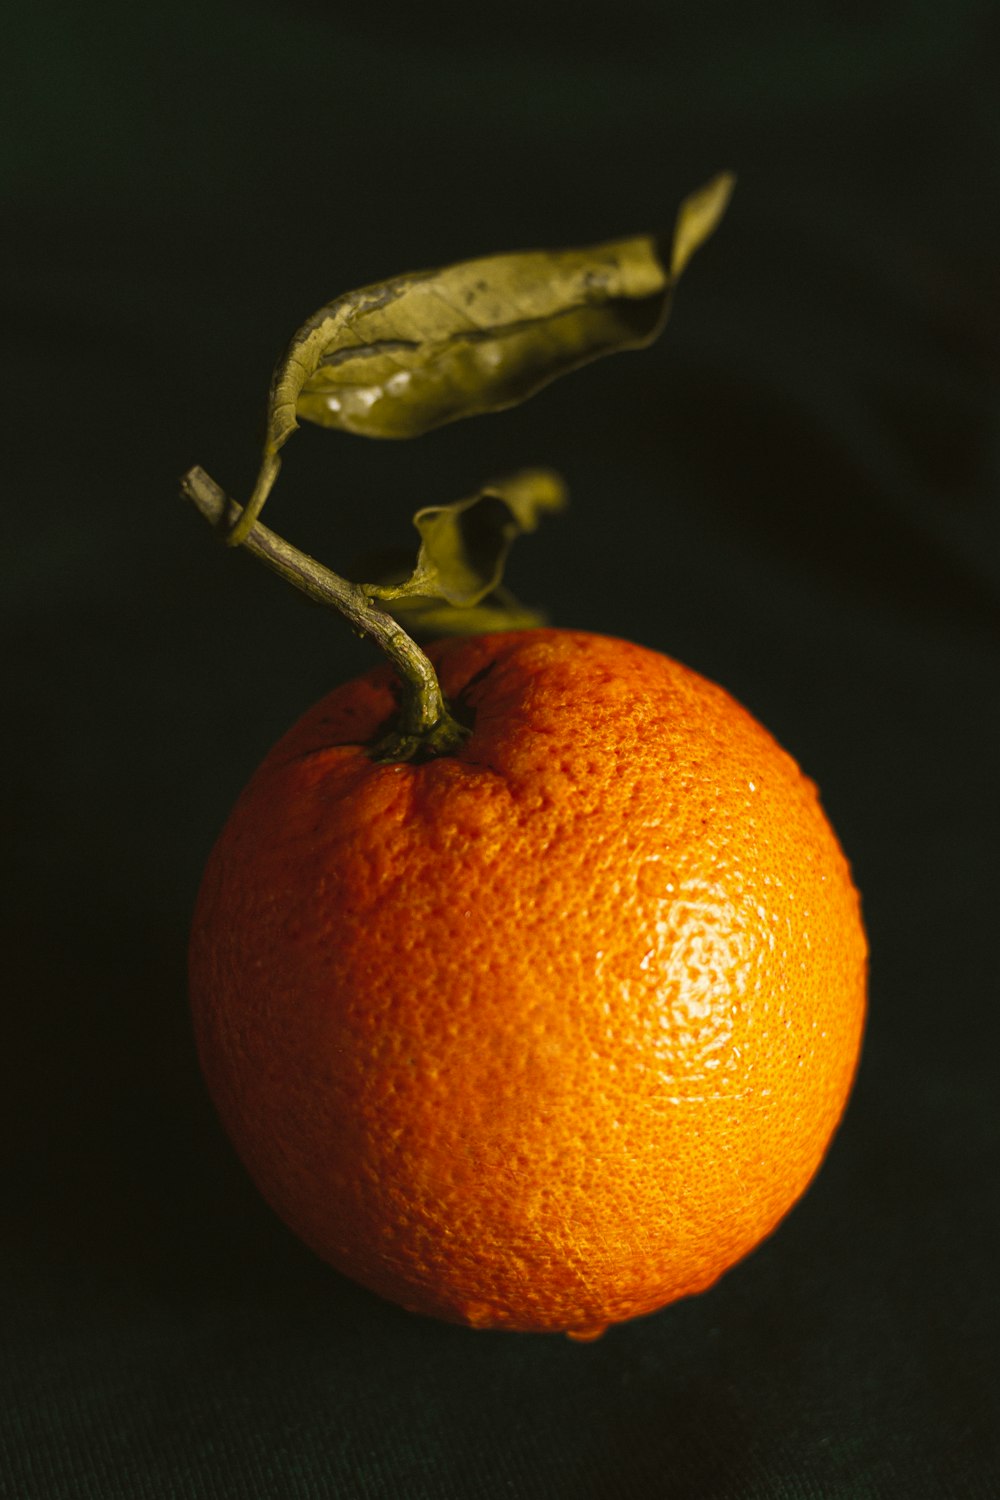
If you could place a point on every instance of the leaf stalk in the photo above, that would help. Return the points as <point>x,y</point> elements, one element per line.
<point>425,726</point>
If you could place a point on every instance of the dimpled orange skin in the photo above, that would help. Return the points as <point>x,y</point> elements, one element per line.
<point>548,1033</point>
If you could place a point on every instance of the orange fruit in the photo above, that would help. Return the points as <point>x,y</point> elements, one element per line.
<point>546,1033</point>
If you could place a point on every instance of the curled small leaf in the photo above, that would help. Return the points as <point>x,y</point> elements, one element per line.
<point>464,546</point>
<point>455,585</point>
<point>401,357</point>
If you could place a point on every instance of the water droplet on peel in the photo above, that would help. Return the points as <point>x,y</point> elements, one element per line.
<point>587,1335</point>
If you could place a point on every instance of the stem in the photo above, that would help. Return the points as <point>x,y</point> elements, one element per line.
<point>425,726</point>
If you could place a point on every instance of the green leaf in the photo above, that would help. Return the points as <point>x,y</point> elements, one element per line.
<point>464,546</point>
<point>427,619</point>
<point>399,358</point>
<point>455,585</point>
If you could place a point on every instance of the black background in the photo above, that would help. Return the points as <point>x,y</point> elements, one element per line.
<point>795,492</point>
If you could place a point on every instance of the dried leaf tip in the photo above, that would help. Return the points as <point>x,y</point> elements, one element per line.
<point>398,358</point>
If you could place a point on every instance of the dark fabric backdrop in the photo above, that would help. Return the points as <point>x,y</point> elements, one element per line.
<point>795,492</point>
